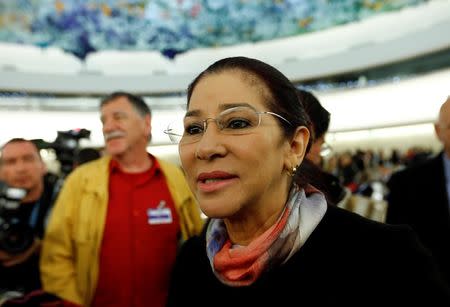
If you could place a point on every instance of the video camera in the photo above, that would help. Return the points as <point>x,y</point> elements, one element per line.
<point>66,147</point>
<point>15,234</point>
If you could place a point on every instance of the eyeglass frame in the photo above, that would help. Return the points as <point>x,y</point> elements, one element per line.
<point>206,120</point>
<point>324,148</point>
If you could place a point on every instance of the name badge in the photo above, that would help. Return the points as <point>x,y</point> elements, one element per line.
<point>159,215</point>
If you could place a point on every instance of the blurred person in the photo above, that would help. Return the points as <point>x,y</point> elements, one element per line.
<point>86,154</point>
<point>320,121</point>
<point>22,167</point>
<point>348,172</point>
<point>331,164</point>
<point>118,221</point>
<point>395,159</point>
<point>418,155</point>
<point>272,238</point>
<point>419,196</point>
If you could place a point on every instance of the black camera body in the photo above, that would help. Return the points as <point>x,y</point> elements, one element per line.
<point>66,146</point>
<point>16,235</point>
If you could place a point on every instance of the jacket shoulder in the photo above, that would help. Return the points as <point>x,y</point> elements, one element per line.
<point>173,173</point>
<point>169,166</point>
<point>346,224</point>
<point>411,173</point>
<point>90,169</point>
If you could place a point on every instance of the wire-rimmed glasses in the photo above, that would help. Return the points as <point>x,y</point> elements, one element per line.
<point>233,121</point>
<point>326,150</point>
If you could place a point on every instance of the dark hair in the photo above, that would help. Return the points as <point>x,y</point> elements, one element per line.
<point>282,98</point>
<point>138,103</point>
<point>319,116</point>
<point>18,140</point>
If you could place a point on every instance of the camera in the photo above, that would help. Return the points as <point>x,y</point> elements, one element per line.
<point>16,235</point>
<point>66,146</point>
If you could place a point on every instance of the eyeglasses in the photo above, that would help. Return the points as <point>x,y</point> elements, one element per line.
<point>233,121</point>
<point>325,150</point>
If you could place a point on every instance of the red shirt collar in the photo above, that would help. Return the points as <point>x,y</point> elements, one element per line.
<point>114,166</point>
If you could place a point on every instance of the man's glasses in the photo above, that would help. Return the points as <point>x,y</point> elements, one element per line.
<point>233,121</point>
<point>326,150</point>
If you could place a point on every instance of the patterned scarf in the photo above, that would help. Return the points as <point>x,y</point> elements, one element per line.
<point>238,266</point>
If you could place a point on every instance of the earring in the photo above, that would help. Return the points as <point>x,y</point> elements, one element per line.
<point>293,171</point>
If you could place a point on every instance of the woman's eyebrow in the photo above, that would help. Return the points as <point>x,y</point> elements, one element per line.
<point>222,107</point>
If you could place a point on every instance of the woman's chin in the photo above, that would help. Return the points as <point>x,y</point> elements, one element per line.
<point>217,212</point>
<point>211,214</point>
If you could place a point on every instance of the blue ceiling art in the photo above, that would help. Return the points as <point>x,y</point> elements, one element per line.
<point>174,26</point>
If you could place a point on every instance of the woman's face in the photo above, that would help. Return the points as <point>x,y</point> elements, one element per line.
<point>233,175</point>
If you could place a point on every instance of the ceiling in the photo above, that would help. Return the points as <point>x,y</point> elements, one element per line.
<point>379,41</point>
<point>174,27</point>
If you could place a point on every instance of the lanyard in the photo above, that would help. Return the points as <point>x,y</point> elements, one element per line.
<point>34,214</point>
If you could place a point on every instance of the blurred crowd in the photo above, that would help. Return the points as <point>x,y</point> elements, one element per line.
<point>358,170</point>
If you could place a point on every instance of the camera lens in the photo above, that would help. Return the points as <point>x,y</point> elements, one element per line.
<point>15,237</point>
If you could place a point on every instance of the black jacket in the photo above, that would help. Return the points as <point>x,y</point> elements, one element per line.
<point>347,261</point>
<point>25,277</point>
<point>418,197</point>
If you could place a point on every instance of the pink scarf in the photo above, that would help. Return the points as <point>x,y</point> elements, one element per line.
<point>243,265</point>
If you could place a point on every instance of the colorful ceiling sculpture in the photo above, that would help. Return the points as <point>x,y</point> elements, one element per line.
<point>174,26</point>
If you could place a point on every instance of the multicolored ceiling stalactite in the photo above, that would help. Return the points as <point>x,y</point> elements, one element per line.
<point>172,27</point>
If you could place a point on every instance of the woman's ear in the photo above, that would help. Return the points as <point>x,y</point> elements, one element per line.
<point>298,145</point>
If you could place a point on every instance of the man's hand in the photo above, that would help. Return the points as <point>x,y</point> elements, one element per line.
<point>8,260</point>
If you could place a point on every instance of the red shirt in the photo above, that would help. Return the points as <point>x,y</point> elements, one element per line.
<point>140,240</point>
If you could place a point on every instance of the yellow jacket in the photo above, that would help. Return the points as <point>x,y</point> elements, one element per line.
<point>71,247</point>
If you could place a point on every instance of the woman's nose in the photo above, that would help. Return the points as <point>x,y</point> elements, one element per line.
<point>210,143</point>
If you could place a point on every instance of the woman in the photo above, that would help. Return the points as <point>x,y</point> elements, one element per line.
<point>272,238</point>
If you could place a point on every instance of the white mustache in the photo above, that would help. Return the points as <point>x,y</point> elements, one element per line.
<point>113,134</point>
